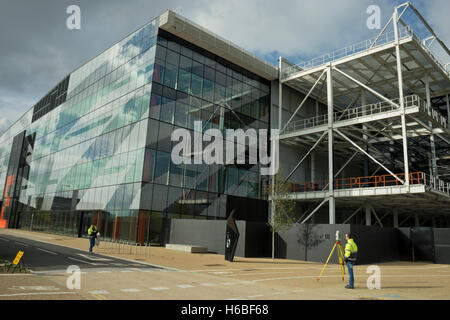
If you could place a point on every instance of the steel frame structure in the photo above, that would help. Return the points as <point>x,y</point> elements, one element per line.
<point>397,80</point>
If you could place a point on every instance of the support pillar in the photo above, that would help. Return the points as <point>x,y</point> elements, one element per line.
<point>365,137</point>
<point>432,143</point>
<point>368,215</point>
<point>395,214</point>
<point>448,110</point>
<point>416,220</point>
<point>400,92</point>
<point>331,201</point>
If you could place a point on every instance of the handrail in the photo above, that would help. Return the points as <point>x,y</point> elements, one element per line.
<point>348,114</point>
<point>386,180</point>
<point>387,37</point>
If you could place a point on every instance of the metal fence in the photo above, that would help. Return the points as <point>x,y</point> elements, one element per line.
<point>123,247</point>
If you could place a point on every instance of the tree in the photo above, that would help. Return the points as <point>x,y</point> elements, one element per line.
<point>283,209</point>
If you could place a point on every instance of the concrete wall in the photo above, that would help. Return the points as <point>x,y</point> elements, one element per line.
<point>442,245</point>
<point>309,242</point>
<point>253,239</point>
<point>375,244</point>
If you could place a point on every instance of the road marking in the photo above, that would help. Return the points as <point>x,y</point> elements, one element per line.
<point>227,283</point>
<point>246,282</point>
<point>300,290</point>
<point>221,272</point>
<point>280,293</point>
<point>184,286</point>
<point>104,271</point>
<point>35,293</point>
<point>91,263</point>
<point>208,284</point>
<point>21,243</point>
<point>159,288</point>
<point>99,297</point>
<point>39,288</point>
<point>129,271</point>
<point>96,292</point>
<point>54,253</point>
<point>257,274</point>
<point>256,296</point>
<point>130,290</point>
<point>92,258</point>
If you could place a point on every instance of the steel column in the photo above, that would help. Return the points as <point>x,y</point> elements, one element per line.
<point>332,210</point>
<point>400,92</point>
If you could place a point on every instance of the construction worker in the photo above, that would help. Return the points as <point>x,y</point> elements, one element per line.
<point>350,255</point>
<point>92,233</point>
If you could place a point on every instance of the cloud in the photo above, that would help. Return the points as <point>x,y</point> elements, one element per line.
<point>37,50</point>
<point>289,27</point>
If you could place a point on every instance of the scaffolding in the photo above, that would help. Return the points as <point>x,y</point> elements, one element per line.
<point>386,96</point>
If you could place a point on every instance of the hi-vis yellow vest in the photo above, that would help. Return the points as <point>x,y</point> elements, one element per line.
<point>351,250</point>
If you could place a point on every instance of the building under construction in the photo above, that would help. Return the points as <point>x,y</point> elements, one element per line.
<point>372,118</point>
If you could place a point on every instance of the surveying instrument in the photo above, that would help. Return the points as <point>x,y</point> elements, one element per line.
<point>340,253</point>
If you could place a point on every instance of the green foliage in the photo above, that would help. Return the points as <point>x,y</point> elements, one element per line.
<point>283,215</point>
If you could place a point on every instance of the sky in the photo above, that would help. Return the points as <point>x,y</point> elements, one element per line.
<point>37,50</point>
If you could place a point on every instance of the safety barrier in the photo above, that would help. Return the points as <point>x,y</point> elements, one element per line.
<point>352,113</point>
<point>386,180</point>
<point>123,247</point>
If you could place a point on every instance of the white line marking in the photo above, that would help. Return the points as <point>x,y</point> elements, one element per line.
<point>38,288</point>
<point>98,292</point>
<point>300,290</point>
<point>256,274</point>
<point>227,283</point>
<point>280,293</point>
<point>184,286</point>
<point>33,293</point>
<point>93,258</point>
<point>208,284</point>
<point>220,272</point>
<point>130,290</point>
<point>129,271</point>
<point>159,288</point>
<point>246,282</point>
<point>256,296</point>
<point>23,244</point>
<point>54,253</point>
<point>91,263</point>
<point>104,271</point>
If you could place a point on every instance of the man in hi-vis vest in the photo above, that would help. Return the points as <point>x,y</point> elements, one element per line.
<point>92,233</point>
<point>350,256</point>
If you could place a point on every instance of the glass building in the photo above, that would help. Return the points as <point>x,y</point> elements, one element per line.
<point>97,147</point>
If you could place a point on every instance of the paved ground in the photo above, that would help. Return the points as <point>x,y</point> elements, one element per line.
<point>169,274</point>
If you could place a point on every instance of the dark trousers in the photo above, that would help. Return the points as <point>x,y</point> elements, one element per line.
<point>351,279</point>
<point>91,243</point>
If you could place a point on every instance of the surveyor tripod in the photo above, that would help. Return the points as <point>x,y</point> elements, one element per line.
<point>340,252</point>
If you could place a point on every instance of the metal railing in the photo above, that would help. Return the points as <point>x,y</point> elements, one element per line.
<point>386,180</point>
<point>385,38</point>
<point>436,184</point>
<point>123,247</point>
<point>352,113</point>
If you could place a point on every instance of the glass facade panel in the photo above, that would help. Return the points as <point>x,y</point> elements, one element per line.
<point>103,154</point>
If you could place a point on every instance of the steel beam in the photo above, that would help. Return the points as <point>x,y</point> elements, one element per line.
<point>372,158</point>
<point>332,211</point>
<point>400,91</point>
